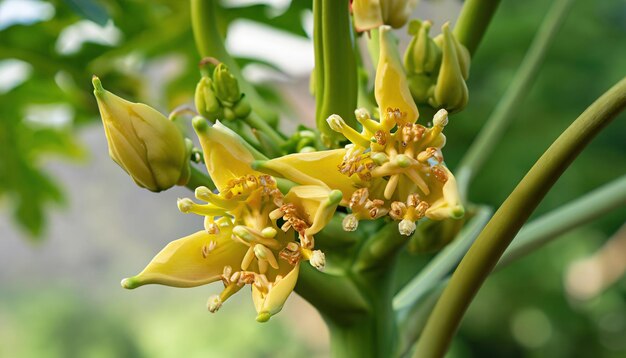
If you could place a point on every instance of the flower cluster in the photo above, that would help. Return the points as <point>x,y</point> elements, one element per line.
<point>261,218</point>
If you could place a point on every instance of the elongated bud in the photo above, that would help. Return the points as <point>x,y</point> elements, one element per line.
<point>206,102</point>
<point>226,85</point>
<point>147,145</point>
<point>422,56</point>
<point>451,91</point>
<point>391,87</point>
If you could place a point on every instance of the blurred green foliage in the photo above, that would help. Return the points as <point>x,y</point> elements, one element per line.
<point>150,31</point>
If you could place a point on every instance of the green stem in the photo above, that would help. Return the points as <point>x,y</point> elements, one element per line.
<point>210,44</point>
<point>491,134</point>
<point>339,84</point>
<point>440,266</point>
<point>473,22</point>
<point>258,123</point>
<point>198,178</point>
<point>371,333</point>
<point>575,214</point>
<point>506,222</point>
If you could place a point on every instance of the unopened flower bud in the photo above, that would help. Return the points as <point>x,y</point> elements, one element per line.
<point>422,56</point>
<point>226,85</point>
<point>206,102</point>
<point>451,91</point>
<point>148,146</point>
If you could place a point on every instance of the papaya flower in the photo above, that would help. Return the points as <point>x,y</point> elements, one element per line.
<point>393,167</point>
<point>242,242</point>
<point>148,146</point>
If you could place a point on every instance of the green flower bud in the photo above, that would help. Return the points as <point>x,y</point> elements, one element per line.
<point>206,102</point>
<point>148,146</point>
<point>225,85</point>
<point>451,91</point>
<point>422,56</point>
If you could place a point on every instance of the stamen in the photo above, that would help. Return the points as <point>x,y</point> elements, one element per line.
<point>252,236</point>
<point>186,205</point>
<point>210,226</point>
<point>205,194</point>
<point>214,303</point>
<point>318,260</point>
<point>390,188</point>
<point>350,222</point>
<point>337,124</point>
<point>406,227</point>
<point>247,258</point>
<point>363,117</point>
<point>264,254</point>
<point>439,173</point>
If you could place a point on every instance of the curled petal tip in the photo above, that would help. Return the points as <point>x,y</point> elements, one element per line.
<point>97,85</point>
<point>130,283</point>
<point>263,317</point>
<point>458,212</point>
<point>199,124</point>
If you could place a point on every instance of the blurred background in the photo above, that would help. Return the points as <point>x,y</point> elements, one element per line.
<point>72,223</point>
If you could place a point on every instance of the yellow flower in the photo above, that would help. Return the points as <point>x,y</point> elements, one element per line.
<point>393,166</point>
<point>370,14</point>
<point>142,141</point>
<point>241,242</point>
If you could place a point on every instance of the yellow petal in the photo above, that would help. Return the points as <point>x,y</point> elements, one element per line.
<point>314,168</point>
<point>225,153</point>
<point>367,14</point>
<point>194,260</point>
<point>445,201</point>
<point>268,304</point>
<point>391,87</point>
<point>317,203</point>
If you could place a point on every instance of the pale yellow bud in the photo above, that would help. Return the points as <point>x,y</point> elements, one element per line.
<point>147,145</point>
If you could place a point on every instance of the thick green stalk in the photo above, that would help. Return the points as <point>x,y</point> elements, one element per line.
<point>210,44</point>
<point>198,178</point>
<point>473,22</point>
<point>338,88</point>
<point>491,134</point>
<point>577,213</point>
<point>258,123</point>
<point>367,334</point>
<point>442,264</point>
<point>506,222</point>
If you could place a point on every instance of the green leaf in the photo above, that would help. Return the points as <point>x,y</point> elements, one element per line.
<point>90,10</point>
